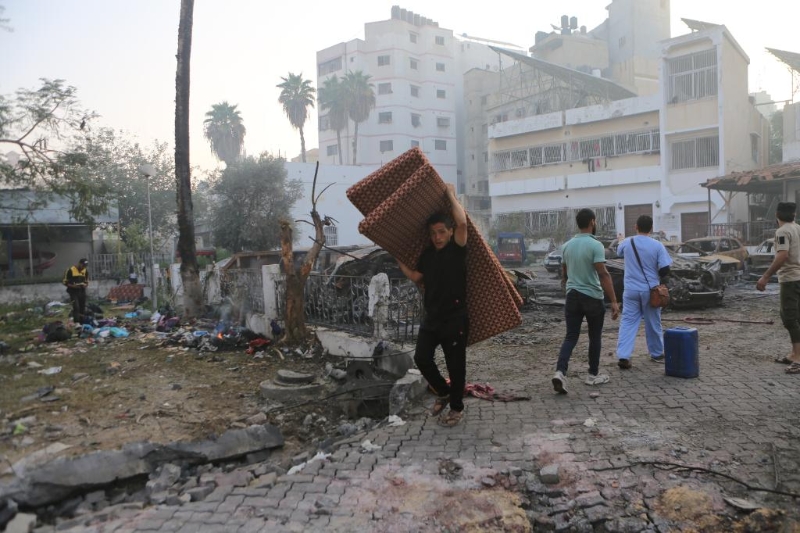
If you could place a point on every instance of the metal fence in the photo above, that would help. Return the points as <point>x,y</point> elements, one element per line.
<point>243,285</point>
<point>118,266</point>
<point>342,302</point>
<point>750,233</point>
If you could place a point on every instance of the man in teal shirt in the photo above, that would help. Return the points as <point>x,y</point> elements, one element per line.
<point>585,279</point>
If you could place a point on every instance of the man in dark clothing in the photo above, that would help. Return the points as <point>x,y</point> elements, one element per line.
<point>442,270</point>
<point>76,279</point>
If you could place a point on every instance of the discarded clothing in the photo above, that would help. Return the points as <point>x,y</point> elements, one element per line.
<point>487,392</point>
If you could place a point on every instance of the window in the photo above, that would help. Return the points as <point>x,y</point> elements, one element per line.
<point>415,91</point>
<point>485,129</point>
<point>439,67</point>
<point>692,77</point>
<point>622,41</point>
<point>384,60</point>
<point>387,146</point>
<point>578,150</point>
<point>412,36</point>
<point>329,66</point>
<point>384,88</point>
<point>443,122</point>
<point>441,93</point>
<point>484,99</point>
<point>331,235</point>
<point>332,149</point>
<point>440,40</point>
<point>701,152</point>
<point>440,144</point>
<point>324,123</point>
<point>414,143</point>
<point>385,117</point>
<point>754,142</point>
<point>413,63</point>
<point>416,120</point>
<point>485,157</point>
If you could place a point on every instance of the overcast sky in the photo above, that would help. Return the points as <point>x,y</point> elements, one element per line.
<point>121,54</point>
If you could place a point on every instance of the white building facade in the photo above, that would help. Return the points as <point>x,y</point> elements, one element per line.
<point>416,69</point>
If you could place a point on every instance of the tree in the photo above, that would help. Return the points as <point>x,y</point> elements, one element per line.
<point>296,277</point>
<point>332,98</point>
<point>297,95</point>
<point>39,129</point>
<point>776,137</point>
<point>225,131</point>
<point>249,199</point>
<point>190,272</point>
<point>360,98</point>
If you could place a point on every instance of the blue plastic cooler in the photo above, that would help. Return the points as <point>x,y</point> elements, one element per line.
<point>681,352</point>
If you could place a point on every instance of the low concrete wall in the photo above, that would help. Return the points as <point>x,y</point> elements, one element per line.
<point>38,292</point>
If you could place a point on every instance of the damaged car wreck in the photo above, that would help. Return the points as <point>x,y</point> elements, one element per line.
<point>692,283</point>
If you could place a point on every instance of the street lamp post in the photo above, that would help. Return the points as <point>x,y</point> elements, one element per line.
<point>149,171</point>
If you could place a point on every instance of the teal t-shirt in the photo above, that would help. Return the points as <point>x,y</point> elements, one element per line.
<point>580,254</point>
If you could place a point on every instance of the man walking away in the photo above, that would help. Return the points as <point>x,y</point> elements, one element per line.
<point>787,265</point>
<point>585,278</point>
<point>641,274</point>
<point>76,279</point>
<point>442,268</point>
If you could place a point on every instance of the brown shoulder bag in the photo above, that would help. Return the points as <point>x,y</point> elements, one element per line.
<point>659,295</point>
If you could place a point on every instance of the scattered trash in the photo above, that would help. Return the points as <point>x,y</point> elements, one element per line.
<point>321,456</point>
<point>395,421</point>
<point>50,371</point>
<point>590,422</point>
<point>41,392</point>
<point>368,447</point>
<point>19,429</point>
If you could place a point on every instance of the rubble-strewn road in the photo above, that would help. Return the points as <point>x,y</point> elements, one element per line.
<point>740,417</point>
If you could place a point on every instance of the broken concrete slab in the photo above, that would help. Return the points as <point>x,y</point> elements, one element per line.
<point>22,523</point>
<point>405,390</point>
<point>55,480</point>
<point>549,474</point>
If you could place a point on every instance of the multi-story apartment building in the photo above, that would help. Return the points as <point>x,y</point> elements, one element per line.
<point>636,155</point>
<point>416,69</point>
<point>624,48</point>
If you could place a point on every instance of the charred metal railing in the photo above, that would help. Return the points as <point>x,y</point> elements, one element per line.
<point>342,302</point>
<point>243,285</point>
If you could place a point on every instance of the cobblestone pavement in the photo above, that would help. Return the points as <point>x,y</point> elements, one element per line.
<point>740,417</point>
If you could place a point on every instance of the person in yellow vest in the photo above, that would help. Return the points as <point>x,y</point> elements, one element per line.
<point>76,279</point>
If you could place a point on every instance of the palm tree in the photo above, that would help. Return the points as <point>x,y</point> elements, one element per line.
<point>333,99</point>
<point>360,99</point>
<point>190,271</point>
<point>225,132</point>
<point>297,95</point>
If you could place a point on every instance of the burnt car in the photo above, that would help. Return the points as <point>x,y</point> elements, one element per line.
<point>760,260</point>
<point>731,253</point>
<point>692,283</point>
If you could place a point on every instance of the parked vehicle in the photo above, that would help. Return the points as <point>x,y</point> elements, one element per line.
<point>760,260</point>
<point>692,282</point>
<point>552,262</point>
<point>710,248</point>
<point>511,249</point>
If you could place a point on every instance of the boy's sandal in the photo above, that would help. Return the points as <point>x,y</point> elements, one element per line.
<point>439,405</point>
<point>452,418</point>
<point>783,360</point>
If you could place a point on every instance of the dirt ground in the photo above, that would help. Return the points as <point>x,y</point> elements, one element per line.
<point>127,390</point>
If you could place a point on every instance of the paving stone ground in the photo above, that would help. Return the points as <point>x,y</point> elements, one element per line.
<point>739,417</point>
